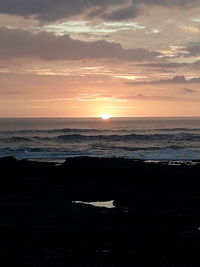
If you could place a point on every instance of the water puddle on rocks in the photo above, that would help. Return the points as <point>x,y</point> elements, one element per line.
<point>100,204</point>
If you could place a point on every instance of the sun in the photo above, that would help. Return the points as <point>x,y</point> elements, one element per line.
<point>105,116</point>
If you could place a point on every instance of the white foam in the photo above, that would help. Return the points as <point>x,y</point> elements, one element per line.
<point>100,204</point>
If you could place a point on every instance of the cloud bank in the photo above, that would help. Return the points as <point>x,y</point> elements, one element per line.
<point>16,43</point>
<point>51,10</point>
<point>179,79</point>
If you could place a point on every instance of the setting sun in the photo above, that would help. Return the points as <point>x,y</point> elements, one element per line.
<point>105,116</point>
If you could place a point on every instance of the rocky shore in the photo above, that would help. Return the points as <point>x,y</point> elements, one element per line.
<point>155,221</point>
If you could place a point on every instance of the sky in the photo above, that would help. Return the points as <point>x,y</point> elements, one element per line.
<point>79,58</point>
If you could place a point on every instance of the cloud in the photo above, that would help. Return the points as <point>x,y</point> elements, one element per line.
<point>99,99</point>
<point>143,97</point>
<point>84,98</point>
<point>51,10</point>
<point>189,29</point>
<point>16,43</point>
<point>196,64</point>
<point>175,80</point>
<point>150,98</point>
<point>163,65</point>
<point>168,3</point>
<point>189,91</point>
<point>124,13</point>
<point>192,50</point>
<point>169,65</point>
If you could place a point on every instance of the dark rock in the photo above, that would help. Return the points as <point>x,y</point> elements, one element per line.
<point>155,222</point>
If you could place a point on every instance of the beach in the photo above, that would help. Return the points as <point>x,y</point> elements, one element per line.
<point>147,213</point>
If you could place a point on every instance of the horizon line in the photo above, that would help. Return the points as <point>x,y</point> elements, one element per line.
<point>99,117</point>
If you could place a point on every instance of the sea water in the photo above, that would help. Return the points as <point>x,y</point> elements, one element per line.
<point>141,138</point>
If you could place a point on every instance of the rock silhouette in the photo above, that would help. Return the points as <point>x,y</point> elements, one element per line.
<point>154,223</point>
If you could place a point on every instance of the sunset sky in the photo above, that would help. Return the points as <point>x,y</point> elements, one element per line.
<point>74,58</point>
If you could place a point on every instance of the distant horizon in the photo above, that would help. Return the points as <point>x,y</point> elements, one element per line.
<point>112,117</point>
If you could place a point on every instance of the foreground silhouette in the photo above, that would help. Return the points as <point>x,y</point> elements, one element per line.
<point>154,223</point>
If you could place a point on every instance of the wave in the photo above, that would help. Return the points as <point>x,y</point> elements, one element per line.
<point>178,130</point>
<point>15,139</point>
<point>94,147</point>
<point>147,153</point>
<point>129,137</point>
<point>64,138</point>
<point>140,148</point>
<point>93,130</point>
<point>65,130</point>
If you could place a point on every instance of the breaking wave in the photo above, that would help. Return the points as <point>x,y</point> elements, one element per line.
<point>149,139</point>
<point>108,137</point>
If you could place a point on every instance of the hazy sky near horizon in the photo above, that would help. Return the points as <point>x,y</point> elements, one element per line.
<point>89,57</point>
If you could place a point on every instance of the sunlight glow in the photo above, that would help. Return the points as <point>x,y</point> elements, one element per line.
<point>105,116</point>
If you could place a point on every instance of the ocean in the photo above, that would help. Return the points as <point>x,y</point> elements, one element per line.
<point>140,138</point>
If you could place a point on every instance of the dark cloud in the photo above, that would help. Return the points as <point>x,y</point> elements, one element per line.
<point>175,80</point>
<point>24,44</point>
<point>122,13</point>
<point>168,3</point>
<point>51,10</point>
<point>189,91</point>
<point>193,50</point>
